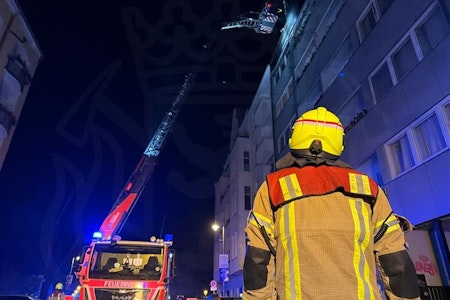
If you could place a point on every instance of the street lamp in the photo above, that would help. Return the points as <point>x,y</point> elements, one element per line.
<point>223,258</point>
<point>216,227</point>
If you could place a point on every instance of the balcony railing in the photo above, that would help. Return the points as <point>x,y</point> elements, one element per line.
<point>17,67</point>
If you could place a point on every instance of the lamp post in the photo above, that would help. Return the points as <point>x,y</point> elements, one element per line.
<point>75,258</point>
<point>216,227</point>
<point>223,258</point>
<point>69,277</point>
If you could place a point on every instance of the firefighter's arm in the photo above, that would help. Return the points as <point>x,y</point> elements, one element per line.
<point>396,267</point>
<point>259,263</point>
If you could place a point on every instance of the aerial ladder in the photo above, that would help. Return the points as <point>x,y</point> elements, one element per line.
<point>112,268</point>
<point>135,185</point>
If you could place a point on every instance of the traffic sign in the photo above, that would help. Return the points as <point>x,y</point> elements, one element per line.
<point>213,285</point>
<point>223,274</point>
<point>223,261</point>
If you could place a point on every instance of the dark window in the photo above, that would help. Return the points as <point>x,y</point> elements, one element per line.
<point>381,82</point>
<point>247,198</point>
<point>246,161</point>
<point>367,23</point>
<point>404,60</point>
<point>432,31</point>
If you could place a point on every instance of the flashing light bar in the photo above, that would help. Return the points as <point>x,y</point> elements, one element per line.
<point>97,235</point>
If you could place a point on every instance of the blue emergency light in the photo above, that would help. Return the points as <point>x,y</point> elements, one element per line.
<point>168,237</point>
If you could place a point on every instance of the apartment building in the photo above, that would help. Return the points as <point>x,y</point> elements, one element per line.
<point>383,67</point>
<point>19,58</point>
<point>250,158</point>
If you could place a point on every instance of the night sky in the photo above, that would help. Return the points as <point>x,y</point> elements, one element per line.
<point>110,70</point>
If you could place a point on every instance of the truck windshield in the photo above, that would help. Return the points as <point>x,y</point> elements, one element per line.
<point>126,262</point>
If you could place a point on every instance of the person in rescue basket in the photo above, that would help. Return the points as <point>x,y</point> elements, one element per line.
<point>319,229</point>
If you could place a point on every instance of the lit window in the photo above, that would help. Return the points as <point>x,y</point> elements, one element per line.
<point>401,155</point>
<point>404,60</point>
<point>432,31</point>
<point>429,137</point>
<point>381,81</point>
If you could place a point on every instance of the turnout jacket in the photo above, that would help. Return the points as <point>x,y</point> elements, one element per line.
<point>321,223</point>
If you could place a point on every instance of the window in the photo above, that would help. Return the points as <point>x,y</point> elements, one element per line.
<point>367,22</point>
<point>381,81</point>
<point>246,161</point>
<point>401,155</point>
<point>446,112</point>
<point>247,198</point>
<point>426,137</point>
<point>432,31</point>
<point>429,138</point>
<point>404,60</point>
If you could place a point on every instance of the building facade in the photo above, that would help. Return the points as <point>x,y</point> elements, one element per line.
<point>19,58</point>
<point>384,68</point>
<point>250,158</point>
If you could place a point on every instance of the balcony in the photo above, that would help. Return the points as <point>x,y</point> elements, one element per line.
<point>7,119</point>
<point>17,67</point>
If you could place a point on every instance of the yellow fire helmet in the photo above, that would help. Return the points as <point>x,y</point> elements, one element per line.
<point>59,286</point>
<point>317,132</point>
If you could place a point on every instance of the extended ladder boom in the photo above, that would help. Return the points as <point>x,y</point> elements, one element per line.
<point>114,222</point>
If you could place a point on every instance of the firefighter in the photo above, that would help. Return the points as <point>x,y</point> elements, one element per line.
<point>319,229</point>
<point>58,293</point>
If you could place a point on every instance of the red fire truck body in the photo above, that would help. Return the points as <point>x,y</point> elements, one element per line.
<point>126,270</point>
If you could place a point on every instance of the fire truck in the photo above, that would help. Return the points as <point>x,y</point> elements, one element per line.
<point>116,269</point>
